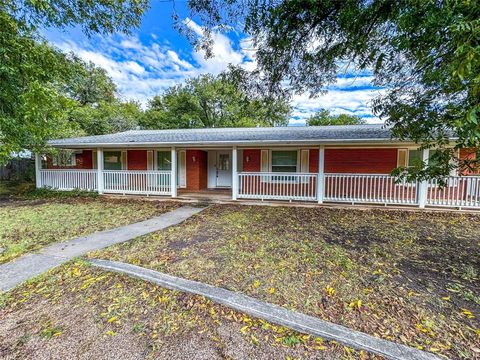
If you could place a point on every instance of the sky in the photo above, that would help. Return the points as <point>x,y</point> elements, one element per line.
<point>155,56</point>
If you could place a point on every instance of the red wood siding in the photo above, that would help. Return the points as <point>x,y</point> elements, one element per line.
<point>364,161</point>
<point>137,159</point>
<point>196,170</point>
<point>253,165</point>
<point>84,160</point>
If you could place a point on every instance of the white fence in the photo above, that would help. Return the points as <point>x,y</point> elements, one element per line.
<point>456,191</point>
<point>374,189</point>
<point>69,179</point>
<point>278,186</point>
<point>137,182</point>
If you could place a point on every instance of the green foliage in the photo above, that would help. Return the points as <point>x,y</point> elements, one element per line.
<point>426,55</point>
<point>32,108</point>
<point>106,117</point>
<point>39,84</point>
<point>90,84</point>
<point>46,193</point>
<point>324,117</point>
<point>101,16</point>
<point>226,100</point>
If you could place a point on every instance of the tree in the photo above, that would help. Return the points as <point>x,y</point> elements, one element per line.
<point>215,101</point>
<point>35,78</point>
<point>424,53</point>
<point>106,117</point>
<point>90,84</point>
<point>324,117</point>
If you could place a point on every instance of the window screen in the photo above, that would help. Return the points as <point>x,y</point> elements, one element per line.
<point>112,160</point>
<point>414,157</point>
<point>164,160</point>
<point>284,161</point>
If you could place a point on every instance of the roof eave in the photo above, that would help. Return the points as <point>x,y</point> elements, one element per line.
<point>386,141</point>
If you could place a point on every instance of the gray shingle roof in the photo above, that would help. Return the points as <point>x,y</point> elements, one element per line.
<point>284,135</point>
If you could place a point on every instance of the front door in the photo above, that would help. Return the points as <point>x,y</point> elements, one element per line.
<point>224,169</point>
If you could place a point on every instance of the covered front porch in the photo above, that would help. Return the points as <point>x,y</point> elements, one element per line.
<point>314,174</point>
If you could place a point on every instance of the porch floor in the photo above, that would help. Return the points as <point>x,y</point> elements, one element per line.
<point>207,194</point>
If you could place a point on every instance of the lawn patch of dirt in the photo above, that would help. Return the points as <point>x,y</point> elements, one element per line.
<point>79,312</point>
<point>28,225</point>
<point>410,277</point>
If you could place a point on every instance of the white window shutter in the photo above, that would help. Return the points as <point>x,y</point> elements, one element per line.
<point>264,165</point>
<point>149,160</point>
<point>402,158</point>
<point>124,160</point>
<point>304,161</point>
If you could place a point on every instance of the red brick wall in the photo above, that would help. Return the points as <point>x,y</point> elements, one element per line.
<point>368,161</point>
<point>84,160</point>
<point>253,165</point>
<point>365,161</point>
<point>137,159</point>
<point>468,154</point>
<point>313,161</point>
<point>197,171</point>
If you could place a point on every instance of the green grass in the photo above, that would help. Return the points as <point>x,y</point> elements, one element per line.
<point>28,225</point>
<point>13,188</point>
<point>411,277</point>
<point>140,312</point>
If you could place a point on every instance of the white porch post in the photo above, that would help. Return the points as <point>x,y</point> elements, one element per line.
<point>38,167</point>
<point>173,179</point>
<point>234,174</point>
<point>422,186</point>
<point>100,170</point>
<point>321,174</point>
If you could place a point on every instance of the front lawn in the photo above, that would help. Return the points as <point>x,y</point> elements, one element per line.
<point>27,225</point>
<point>411,277</point>
<point>79,312</point>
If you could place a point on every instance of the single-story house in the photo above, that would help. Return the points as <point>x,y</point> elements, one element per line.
<point>319,163</point>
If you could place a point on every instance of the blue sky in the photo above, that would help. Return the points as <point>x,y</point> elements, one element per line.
<point>156,56</point>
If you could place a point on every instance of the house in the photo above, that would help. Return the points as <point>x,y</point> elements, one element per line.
<point>319,164</point>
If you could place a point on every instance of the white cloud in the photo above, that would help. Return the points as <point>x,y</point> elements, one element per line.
<point>355,102</point>
<point>144,69</point>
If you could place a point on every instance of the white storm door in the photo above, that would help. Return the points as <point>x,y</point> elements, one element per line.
<point>182,169</point>
<point>224,169</point>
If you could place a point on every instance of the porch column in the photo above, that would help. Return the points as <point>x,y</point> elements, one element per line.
<point>100,170</point>
<point>423,186</point>
<point>234,174</point>
<point>38,167</point>
<point>321,174</point>
<point>173,179</point>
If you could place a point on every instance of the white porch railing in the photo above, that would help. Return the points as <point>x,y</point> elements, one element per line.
<point>277,186</point>
<point>137,182</point>
<point>69,179</point>
<point>366,188</point>
<point>458,191</point>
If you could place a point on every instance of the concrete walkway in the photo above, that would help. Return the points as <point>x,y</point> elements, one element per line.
<point>31,265</point>
<point>272,313</point>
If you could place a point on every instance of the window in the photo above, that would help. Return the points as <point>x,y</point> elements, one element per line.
<point>65,158</point>
<point>408,158</point>
<point>224,162</point>
<point>112,160</point>
<point>284,161</point>
<point>164,160</point>
<point>414,157</point>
